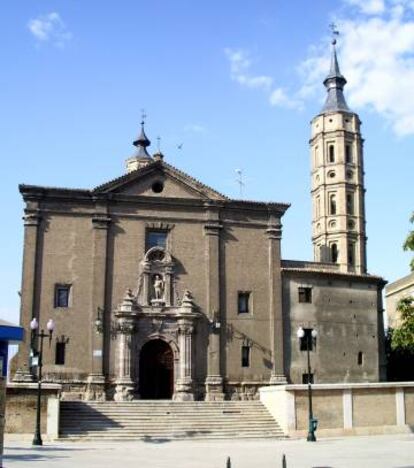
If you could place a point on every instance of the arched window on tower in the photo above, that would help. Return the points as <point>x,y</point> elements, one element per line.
<point>350,203</point>
<point>331,153</point>
<point>334,253</point>
<point>332,204</point>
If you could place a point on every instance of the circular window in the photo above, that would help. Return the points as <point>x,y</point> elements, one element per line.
<point>331,174</point>
<point>318,227</point>
<point>332,224</point>
<point>157,187</point>
<point>351,224</point>
<point>349,174</point>
<point>317,178</point>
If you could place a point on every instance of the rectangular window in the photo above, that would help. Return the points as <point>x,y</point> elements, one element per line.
<point>305,294</point>
<point>351,253</point>
<point>306,378</point>
<point>331,153</point>
<point>332,204</point>
<point>307,340</point>
<point>243,302</point>
<point>155,238</point>
<point>245,356</point>
<point>348,154</point>
<point>350,203</point>
<point>62,295</point>
<point>60,353</point>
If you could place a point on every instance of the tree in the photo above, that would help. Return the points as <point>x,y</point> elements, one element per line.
<point>400,341</point>
<point>409,242</point>
<point>403,336</point>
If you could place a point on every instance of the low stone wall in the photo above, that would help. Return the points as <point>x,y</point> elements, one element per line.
<point>343,409</point>
<point>21,403</point>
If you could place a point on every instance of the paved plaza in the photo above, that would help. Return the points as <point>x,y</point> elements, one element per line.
<point>396,451</point>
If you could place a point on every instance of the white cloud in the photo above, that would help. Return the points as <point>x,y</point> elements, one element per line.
<point>240,65</point>
<point>194,128</point>
<point>240,71</point>
<point>279,97</point>
<point>369,7</point>
<point>49,28</point>
<point>376,57</point>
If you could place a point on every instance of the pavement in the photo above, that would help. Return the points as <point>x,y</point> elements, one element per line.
<point>385,451</point>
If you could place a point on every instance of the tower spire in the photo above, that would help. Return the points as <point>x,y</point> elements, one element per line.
<point>335,82</point>
<point>142,142</point>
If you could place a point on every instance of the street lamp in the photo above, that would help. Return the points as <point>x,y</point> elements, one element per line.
<point>34,326</point>
<point>312,422</point>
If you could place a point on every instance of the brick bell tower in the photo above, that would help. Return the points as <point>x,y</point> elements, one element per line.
<point>338,220</point>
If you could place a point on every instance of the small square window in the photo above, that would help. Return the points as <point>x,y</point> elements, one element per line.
<point>307,340</point>
<point>245,356</point>
<point>307,378</point>
<point>156,238</point>
<point>243,302</point>
<point>62,294</point>
<point>60,353</point>
<point>305,294</point>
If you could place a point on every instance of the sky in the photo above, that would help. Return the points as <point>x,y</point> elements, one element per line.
<point>226,86</point>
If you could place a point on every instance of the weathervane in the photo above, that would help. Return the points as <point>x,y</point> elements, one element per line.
<point>239,180</point>
<point>334,32</point>
<point>159,144</point>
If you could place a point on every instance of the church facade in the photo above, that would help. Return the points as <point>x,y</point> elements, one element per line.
<point>161,287</point>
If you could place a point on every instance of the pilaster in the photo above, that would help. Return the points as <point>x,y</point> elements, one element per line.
<point>28,307</point>
<point>212,228</point>
<point>274,235</point>
<point>100,225</point>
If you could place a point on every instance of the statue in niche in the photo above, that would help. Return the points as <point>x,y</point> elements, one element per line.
<point>158,287</point>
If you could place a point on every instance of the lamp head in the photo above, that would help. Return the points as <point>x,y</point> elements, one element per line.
<point>314,333</point>
<point>300,333</point>
<point>34,324</point>
<point>50,325</point>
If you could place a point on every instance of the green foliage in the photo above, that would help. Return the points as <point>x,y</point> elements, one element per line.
<point>403,336</point>
<point>409,242</point>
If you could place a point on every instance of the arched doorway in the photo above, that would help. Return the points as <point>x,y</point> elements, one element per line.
<point>156,371</point>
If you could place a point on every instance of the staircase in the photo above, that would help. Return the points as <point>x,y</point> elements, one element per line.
<point>166,420</point>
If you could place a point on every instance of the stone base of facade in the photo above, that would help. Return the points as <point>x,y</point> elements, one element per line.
<point>278,379</point>
<point>214,388</point>
<point>125,390</point>
<point>23,375</point>
<point>184,391</point>
<point>95,388</point>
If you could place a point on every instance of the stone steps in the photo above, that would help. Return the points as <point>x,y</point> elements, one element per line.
<point>165,419</point>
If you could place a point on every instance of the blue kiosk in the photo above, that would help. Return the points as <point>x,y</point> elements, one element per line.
<point>9,334</point>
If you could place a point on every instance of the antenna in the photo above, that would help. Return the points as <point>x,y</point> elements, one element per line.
<point>143,116</point>
<point>239,180</point>
<point>159,143</point>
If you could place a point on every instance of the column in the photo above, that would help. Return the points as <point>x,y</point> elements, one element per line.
<point>274,235</point>
<point>28,307</point>
<point>96,378</point>
<point>184,385</point>
<point>126,326</point>
<point>214,380</point>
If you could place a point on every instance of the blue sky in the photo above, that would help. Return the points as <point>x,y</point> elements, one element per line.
<point>236,82</point>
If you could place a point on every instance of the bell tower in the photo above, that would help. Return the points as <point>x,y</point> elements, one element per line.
<point>338,220</point>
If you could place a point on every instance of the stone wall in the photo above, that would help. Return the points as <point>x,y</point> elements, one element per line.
<point>343,409</point>
<point>21,407</point>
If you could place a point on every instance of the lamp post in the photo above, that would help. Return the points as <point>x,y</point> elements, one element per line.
<point>34,326</point>
<point>312,422</point>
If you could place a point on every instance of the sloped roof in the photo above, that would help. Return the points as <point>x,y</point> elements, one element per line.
<point>183,177</point>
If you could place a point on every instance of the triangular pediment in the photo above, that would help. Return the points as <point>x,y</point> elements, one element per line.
<point>162,180</point>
